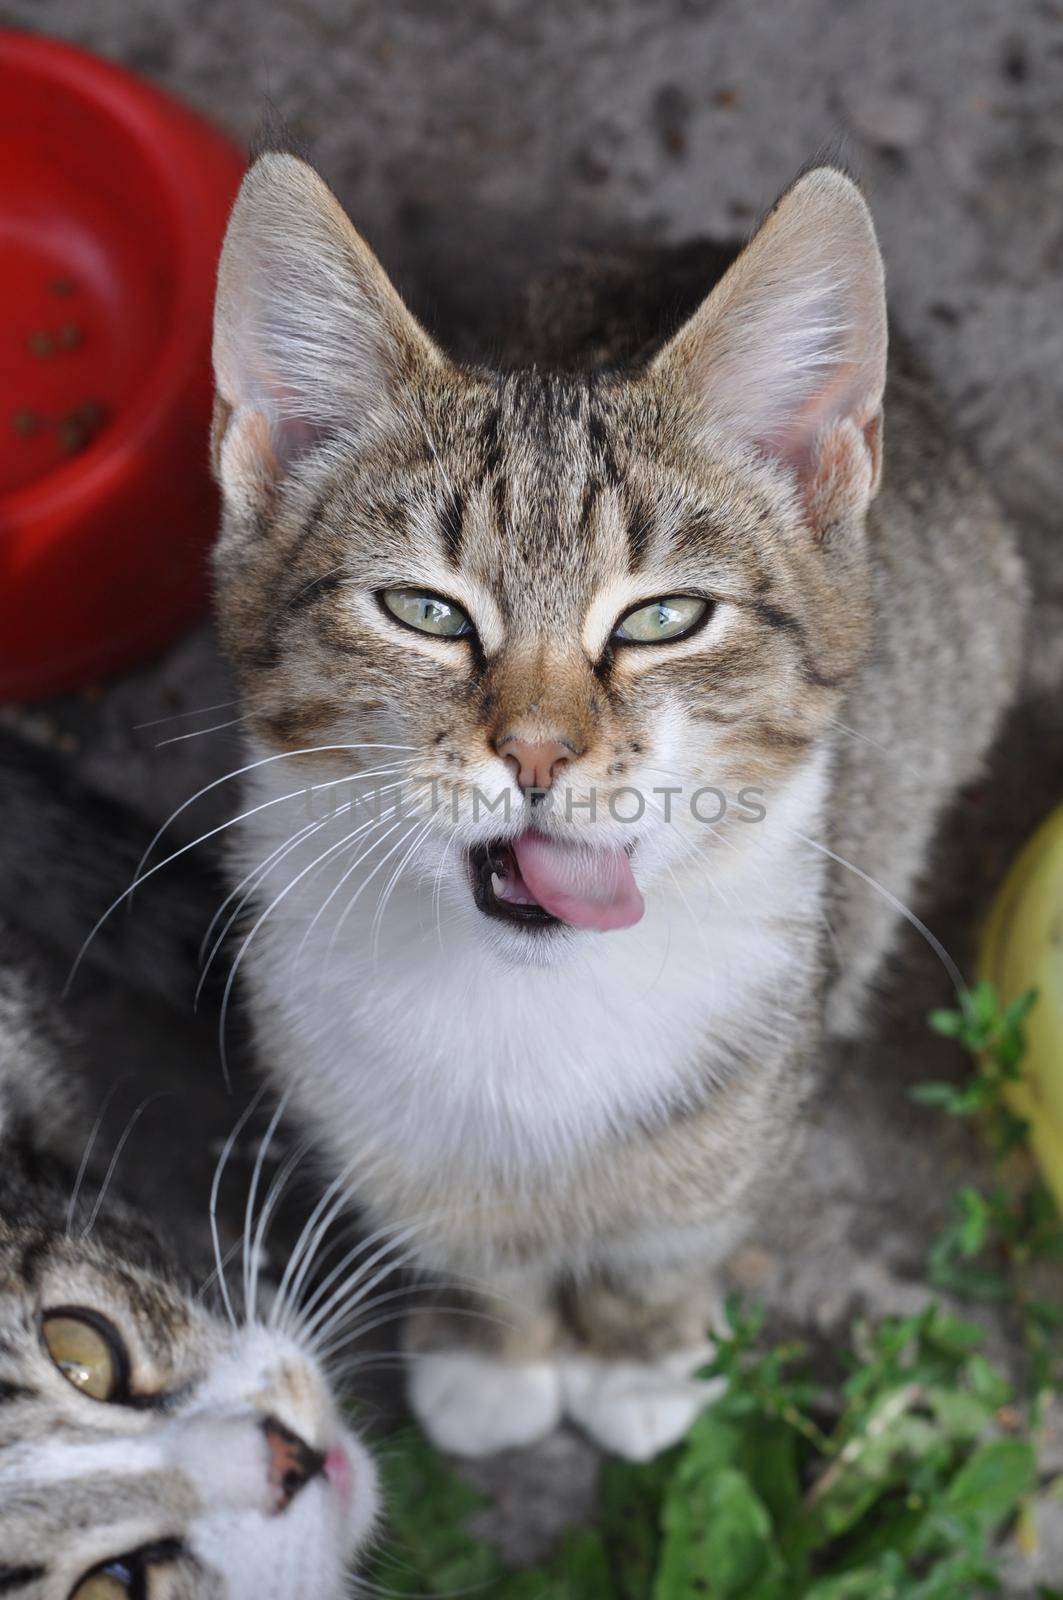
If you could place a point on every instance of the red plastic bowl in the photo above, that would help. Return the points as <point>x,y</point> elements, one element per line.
<point>113,201</point>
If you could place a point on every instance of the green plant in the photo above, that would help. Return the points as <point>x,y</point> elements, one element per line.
<point>999,1237</point>
<point>898,1496</point>
<point>891,1479</point>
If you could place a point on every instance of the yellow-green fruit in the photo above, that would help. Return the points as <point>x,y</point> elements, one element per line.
<point>1023,949</point>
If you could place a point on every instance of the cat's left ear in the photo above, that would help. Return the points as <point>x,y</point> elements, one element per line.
<point>788,353</point>
<point>310,337</point>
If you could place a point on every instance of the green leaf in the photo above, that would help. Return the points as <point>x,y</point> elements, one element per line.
<point>718,1542</point>
<point>962,1415</point>
<point>968,1280</point>
<point>992,1483</point>
<point>972,1215</point>
<point>951,1334</point>
<point>987,1383</point>
<point>950,1024</point>
<point>936,1094</point>
<point>878,1582</point>
<point>1019,1009</point>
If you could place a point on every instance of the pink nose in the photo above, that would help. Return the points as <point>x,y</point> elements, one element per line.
<point>535,765</point>
<point>292,1463</point>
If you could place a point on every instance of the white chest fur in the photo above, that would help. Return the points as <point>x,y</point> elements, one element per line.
<point>410,1038</point>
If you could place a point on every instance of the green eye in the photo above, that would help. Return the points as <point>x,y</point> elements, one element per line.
<point>428,613</point>
<point>661,620</point>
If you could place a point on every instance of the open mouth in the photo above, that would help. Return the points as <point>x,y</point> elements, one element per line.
<point>537,882</point>
<point>500,891</point>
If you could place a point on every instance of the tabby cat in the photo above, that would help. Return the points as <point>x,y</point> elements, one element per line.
<point>148,1449</point>
<point>669,682</point>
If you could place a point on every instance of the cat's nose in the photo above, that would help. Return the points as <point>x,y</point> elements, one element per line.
<point>535,764</point>
<point>292,1463</point>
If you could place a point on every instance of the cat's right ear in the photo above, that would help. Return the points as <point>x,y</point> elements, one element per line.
<point>787,356</point>
<point>310,338</point>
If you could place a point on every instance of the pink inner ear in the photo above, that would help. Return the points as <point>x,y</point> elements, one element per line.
<point>793,440</point>
<point>291,434</point>
<point>292,437</point>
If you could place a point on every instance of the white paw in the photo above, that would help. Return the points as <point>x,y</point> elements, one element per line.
<point>474,1405</point>
<point>636,1409</point>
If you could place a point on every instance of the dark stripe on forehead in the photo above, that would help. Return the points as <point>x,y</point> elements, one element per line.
<point>641,519</point>
<point>34,1254</point>
<point>451,525</point>
<point>591,490</point>
<point>500,501</point>
<point>600,439</point>
<point>490,446</point>
<point>12,1578</point>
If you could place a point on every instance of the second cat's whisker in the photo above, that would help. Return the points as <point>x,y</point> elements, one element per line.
<point>250,1262</point>
<point>215,1191</point>
<point>275,1194</point>
<point>321,1303</point>
<point>127,1133</point>
<point>90,1146</point>
<point>308,1245</point>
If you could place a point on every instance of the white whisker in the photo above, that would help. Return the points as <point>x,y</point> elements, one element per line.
<point>113,1167</point>
<point>215,1190</point>
<point>216,727</point>
<point>87,1155</point>
<point>250,1257</point>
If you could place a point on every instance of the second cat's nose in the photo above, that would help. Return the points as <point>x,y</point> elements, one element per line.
<point>536,764</point>
<point>292,1463</point>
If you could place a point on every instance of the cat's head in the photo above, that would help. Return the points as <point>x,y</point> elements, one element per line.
<point>148,1449</point>
<point>602,585</point>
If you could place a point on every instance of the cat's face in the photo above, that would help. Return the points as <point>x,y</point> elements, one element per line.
<point>147,1448</point>
<point>606,588</point>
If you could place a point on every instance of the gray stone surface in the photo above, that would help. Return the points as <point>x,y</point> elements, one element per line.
<point>474,142</point>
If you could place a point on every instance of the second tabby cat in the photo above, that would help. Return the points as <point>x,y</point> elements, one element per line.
<point>149,1450</point>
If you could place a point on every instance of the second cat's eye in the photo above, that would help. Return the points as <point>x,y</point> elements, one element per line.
<point>114,1582</point>
<point>126,1577</point>
<point>88,1351</point>
<point>427,613</point>
<point>662,621</point>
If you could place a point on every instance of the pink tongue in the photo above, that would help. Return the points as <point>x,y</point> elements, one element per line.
<point>587,886</point>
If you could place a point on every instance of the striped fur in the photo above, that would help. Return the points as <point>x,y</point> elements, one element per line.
<point>177,1470</point>
<point>586,1121</point>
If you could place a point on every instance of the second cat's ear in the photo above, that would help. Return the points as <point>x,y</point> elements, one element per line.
<point>788,352</point>
<point>310,338</point>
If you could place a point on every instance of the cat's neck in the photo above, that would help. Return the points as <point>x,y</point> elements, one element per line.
<point>627,1021</point>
